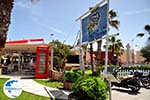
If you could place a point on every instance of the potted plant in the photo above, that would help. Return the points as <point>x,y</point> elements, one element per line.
<point>71,77</point>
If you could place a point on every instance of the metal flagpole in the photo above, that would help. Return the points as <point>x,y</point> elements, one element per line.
<point>80,49</point>
<point>106,52</point>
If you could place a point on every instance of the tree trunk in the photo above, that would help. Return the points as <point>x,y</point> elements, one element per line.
<point>112,56</point>
<point>118,61</point>
<point>1,52</point>
<point>84,57</point>
<point>99,43</point>
<point>5,14</point>
<point>91,55</point>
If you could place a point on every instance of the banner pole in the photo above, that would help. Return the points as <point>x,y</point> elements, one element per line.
<point>107,35</point>
<point>106,52</point>
<point>80,49</point>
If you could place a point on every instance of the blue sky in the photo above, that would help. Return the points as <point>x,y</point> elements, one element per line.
<point>39,20</point>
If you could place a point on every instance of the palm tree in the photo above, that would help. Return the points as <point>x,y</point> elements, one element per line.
<point>5,18</point>
<point>112,22</point>
<point>5,13</point>
<point>116,47</point>
<point>147,29</point>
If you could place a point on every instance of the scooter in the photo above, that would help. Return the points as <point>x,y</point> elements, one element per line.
<point>145,80</point>
<point>129,82</point>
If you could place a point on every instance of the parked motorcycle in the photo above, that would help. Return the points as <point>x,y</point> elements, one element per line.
<point>129,82</point>
<point>145,80</point>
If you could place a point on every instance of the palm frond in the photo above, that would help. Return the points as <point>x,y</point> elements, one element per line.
<point>85,47</point>
<point>112,14</point>
<point>113,39</point>
<point>147,27</point>
<point>114,23</point>
<point>140,34</point>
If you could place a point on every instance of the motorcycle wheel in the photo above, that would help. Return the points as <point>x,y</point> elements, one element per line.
<point>136,87</point>
<point>146,83</point>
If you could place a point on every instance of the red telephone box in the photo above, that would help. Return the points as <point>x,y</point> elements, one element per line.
<point>42,58</point>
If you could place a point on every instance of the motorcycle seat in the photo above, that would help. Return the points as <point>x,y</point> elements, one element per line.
<point>112,78</point>
<point>126,77</point>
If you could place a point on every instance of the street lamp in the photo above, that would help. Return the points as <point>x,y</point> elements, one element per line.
<point>137,46</point>
<point>51,35</point>
<point>132,43</point>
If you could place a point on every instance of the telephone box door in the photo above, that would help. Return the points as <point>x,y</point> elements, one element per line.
<point>42,56</point>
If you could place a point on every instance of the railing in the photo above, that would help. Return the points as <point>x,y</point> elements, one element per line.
<point>129,71</point>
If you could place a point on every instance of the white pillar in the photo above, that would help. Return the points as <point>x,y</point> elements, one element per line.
<point>128,54</point>
<point>106,52</point>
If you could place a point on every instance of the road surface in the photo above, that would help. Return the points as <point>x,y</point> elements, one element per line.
<point>126,94</point>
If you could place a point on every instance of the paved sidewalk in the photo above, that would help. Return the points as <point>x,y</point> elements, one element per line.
<point>29,85</point>
<point>127,94</point>
<point>33,87</point>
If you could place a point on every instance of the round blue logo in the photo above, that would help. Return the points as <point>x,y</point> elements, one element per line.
<point>12,88</point>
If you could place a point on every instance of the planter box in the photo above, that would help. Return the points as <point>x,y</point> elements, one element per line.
<point>67,85</point>
<point>54,75</point>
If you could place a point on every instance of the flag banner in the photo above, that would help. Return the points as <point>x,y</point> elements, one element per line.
<point>94,25</point>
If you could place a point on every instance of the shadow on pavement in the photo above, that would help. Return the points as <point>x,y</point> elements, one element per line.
<point>126,91</point>
<point>28,77</point>
<point>145,87</point>
<point>57,94</point>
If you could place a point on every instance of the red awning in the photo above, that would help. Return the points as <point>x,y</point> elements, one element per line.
<point>24,41</point>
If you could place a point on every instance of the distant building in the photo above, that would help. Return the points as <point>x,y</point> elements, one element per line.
<point>131,57</point>
<point>102,56</point>
<point>139,58</point>
<point>134,57</point>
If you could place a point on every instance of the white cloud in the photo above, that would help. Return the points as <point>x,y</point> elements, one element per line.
<point>46,25</point>
<point>56,30</point>
<point>37,16</point>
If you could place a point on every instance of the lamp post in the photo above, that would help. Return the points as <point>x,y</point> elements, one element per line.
<point>52,56</point>
<point>132,43</point>
<point>51,35</point>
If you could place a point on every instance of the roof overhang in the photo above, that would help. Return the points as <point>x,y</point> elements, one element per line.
<point>21,47</point>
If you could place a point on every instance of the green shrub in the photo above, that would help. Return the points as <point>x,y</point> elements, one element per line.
<point>145,67</point>
<point>73,75</point>
<point>89,88</point>
<point>99,69</point>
